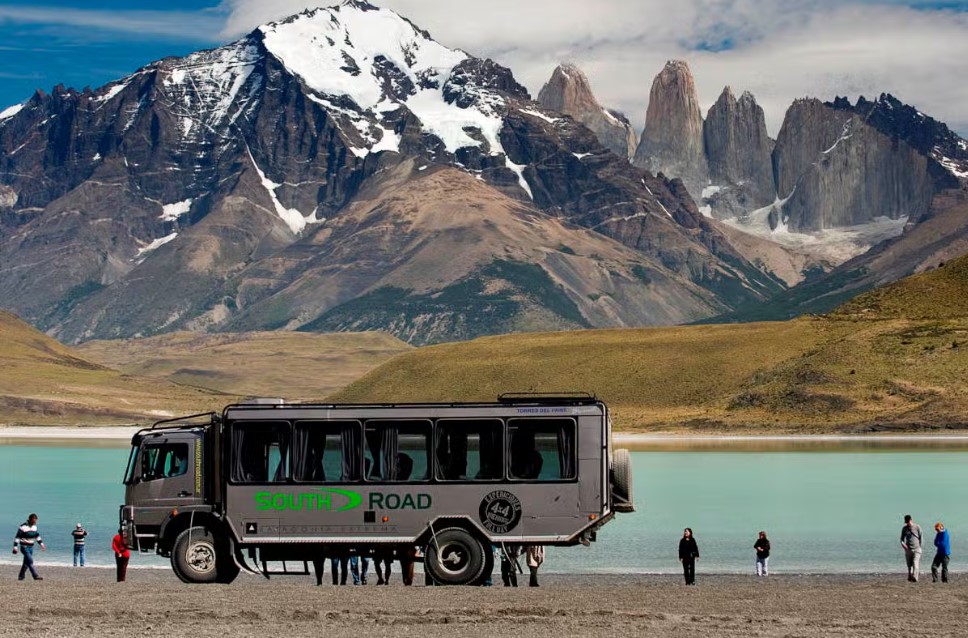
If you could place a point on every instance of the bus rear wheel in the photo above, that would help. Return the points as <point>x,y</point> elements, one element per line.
<point>194,557</point>
<point>455,557</point>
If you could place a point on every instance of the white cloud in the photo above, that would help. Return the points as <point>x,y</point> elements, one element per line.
<point>189,25</point>
<point>778,49</point>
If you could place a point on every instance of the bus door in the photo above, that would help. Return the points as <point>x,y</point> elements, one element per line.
<point>168,472</point>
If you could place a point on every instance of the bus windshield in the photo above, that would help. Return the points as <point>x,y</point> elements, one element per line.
<point>132,464</point>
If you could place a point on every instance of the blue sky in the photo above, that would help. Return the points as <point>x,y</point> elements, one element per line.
<point>46,44</point>
<point>778,49</point>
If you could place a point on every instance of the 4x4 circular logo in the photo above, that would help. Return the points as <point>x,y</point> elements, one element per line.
<point>500,511</point>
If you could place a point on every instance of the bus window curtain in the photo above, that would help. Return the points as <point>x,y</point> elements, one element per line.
<point>566,451</point>
<point>374,444</point>
<point>390,439</point>
<point>491,454</point>
<point>452,453</point>
<point>280,473</point>
<point>458,453</point>
<point>349,453</point>
<point>303,455</point>
<point>238,461</point>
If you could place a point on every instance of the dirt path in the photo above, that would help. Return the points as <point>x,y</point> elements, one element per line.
<point>75,603</point>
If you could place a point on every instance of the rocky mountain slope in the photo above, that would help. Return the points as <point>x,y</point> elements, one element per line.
<point>839,179</point>
<point>569,92</point>
<point>672,141</point>
<point>253,186</point>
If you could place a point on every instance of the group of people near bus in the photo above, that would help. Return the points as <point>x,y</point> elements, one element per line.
<point>911,543</point>
<point>347,563</point>
<point>344,563</point>
<point>28,537</point>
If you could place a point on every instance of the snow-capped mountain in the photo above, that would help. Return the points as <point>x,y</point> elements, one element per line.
<point>289,180</point>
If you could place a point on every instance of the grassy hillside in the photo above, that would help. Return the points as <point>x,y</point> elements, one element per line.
<point>295,366</point>
<point>941,293</point>
<point>45,382</point>
<point>894,359</point>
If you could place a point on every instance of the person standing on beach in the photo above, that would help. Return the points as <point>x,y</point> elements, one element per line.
<point>27,536</point>
<point>339,564</point>
<point>536,556</point>
<point>381,563</point>
<point>509,564</point>
<point>122,554</point>
<point>688,555</point>
<point>911,542</point>
<point>942,543</point>
<point>79,535</point>
<point>762,547</point>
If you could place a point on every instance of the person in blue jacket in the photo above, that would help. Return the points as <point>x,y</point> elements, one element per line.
<point>942,542</point>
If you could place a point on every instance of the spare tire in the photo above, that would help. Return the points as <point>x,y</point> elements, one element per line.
<point>622,481</point>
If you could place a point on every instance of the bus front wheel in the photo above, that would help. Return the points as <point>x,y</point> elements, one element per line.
<point>455,557</point>
<point>194,557</point>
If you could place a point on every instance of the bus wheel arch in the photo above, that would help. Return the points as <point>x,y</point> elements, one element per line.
<point>457,553</point>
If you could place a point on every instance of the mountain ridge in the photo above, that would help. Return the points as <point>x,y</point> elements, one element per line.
<point>199,188</point>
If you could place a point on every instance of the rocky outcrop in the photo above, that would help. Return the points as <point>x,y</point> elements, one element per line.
<point>833,170</point>
<point>739,153</point>
<point>672,142</point>
<point>569,92</point>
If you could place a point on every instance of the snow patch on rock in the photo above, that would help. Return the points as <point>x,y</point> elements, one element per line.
<point>540,115</point>
<point>836,245</point>
<point>171,212</point>
<point>10,111</point>
<point>144,251</point>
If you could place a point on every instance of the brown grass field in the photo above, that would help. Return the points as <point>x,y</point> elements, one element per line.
<point>296,366</point>
<point>892,360</point>
<point>46,383</point>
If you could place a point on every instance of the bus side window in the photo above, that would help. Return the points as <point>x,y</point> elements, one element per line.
<point>470,449</point>
<point>176,460</point>
<point>326,451</point>
<point>542,449</point>
<point>260,452</point>
<point>397,451</point>
<point>164,460</point>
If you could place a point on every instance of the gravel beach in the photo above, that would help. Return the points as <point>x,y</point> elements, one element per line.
<point>86,602</point>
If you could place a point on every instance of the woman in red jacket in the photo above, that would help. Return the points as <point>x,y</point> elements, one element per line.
<point>121,554</point>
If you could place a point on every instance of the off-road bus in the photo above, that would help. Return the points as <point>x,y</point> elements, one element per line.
<point>265,486</point>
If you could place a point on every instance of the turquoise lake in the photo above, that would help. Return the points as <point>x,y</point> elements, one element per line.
<point>826,510</point>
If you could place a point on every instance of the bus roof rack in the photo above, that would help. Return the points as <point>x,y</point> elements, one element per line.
<point>190,417</point>
<point>546,397</point>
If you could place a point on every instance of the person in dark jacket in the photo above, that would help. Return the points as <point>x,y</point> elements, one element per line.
<point>688,555</point>
<point>942,543</point>
<point>27,536</point>
<point>762,547</point>
<point>509,564</point>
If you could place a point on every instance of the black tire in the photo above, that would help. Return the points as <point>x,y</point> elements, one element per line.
<point>622,479</point>
<point>194,557</point>
<point>455,557</point>
<point>488,571</point>
<point>227,569</point>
